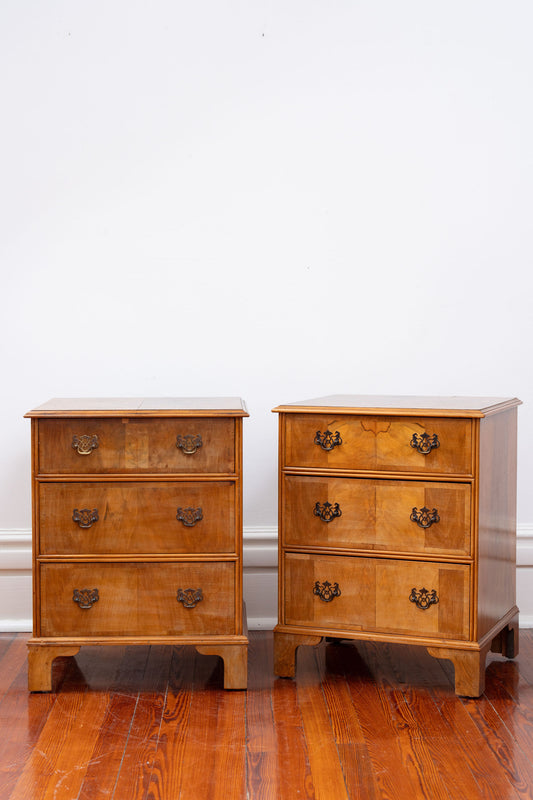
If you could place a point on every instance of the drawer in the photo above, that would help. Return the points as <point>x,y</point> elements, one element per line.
<point>129,445</point>
<point>361,513</point>
<point>380,595</point>
<point>393,444</point>
<point>137,599</point>
<point>133,517</point>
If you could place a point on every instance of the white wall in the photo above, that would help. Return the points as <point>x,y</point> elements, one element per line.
<point>272,199</point>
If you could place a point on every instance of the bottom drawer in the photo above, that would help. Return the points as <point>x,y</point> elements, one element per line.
<point>382,595</point>
<point>137,599</point>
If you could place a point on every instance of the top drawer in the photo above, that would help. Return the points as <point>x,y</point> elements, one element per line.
<point>128,445</point>
<point>427,445</point>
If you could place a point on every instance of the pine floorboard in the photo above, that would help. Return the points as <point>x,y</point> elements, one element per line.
<point>360,721</point>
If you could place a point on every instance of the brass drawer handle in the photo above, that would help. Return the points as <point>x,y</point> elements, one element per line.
<point>326,591</point>
<point>189,443</point>
<point>327,511</point>
<point>85,598</point>
<point>189,516</point>
<point>423,598</point>
<point>85,444</point>
<point>425,443</point>
<point>85,517</point>
<point>328,440</point>
<point>189,598</point>
<point>424,518</point>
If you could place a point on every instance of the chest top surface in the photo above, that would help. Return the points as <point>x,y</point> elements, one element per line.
<point>141,406</point>
<point>402,405</point>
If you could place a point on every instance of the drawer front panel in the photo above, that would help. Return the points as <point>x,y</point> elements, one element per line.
<point>321,441</point>
<point>118,518</point>
<point>137,599</point>
<point>403,516</point>
<point>174,446</point>
<point>372,594</point>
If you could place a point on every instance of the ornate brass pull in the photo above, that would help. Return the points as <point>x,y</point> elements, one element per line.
<point>189,443</point>
<point>85,598</point>
<point>326,591</point>
<point>189,598</point>
<point>85,444</point>
<point>424,518</point>
<point>328,440</point>
<point>423,598</point>
<point>425,443</point>
<point>85,517</point>
<point>189,516</point>
<point>327,511</point>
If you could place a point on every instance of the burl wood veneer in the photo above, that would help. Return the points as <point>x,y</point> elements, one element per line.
<point>397,523</point>
<point>137,528</point>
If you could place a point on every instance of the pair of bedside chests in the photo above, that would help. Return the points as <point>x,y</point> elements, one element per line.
<point>397,523</point>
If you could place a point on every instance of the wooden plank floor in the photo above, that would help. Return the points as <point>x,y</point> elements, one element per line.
<point>359,721</point>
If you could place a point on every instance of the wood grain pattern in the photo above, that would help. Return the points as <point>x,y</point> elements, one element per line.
<point>375,595</point>
<point>139,754</point>
<point>361,720</point>
<point>137,517</point>
<point>497,518</point>
<point>235,660</point>
<point>140,406</point>
<point>136,446</point>
<point>169,758</point>
<point>326,770</point>
<point>137,598</point>
<point>21,714</point>
<point>40,662</point>
<point>379,443</point>
<point>292,773</point>
<point>385,404</point>
<point>59,742</point>
<point>376,515</point>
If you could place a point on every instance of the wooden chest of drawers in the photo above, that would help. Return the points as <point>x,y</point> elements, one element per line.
<point>137,528</point>
<point>397,522</point>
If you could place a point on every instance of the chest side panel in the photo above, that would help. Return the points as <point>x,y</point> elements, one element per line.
<point>496,518</point>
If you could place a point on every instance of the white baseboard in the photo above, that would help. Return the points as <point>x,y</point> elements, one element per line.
<point>524,574</point>
<point>15,581</point>
<point>260,575</point>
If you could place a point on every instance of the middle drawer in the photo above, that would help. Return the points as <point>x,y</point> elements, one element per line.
<point>167,517</point>
<point>352,513</point>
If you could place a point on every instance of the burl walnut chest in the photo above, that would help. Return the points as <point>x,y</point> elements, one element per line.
<point>137,528</point>
<point>397,523</point>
